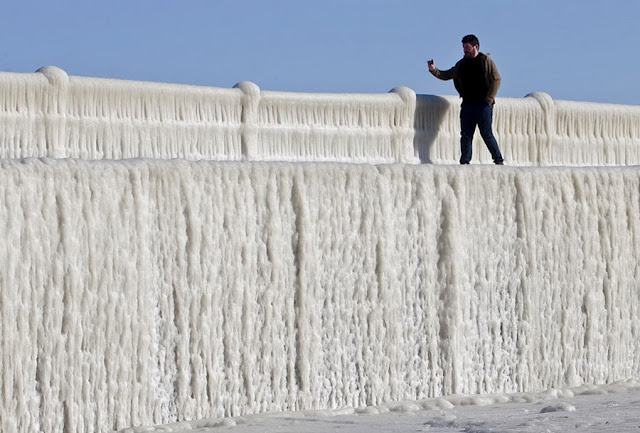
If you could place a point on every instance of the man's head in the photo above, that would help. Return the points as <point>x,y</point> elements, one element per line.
<point>470,46</point>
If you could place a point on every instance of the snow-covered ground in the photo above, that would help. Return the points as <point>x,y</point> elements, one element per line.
<point>608,408</point>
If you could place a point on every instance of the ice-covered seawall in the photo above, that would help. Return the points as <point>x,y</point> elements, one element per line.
<point>145,292</point>
<point>51,114</point>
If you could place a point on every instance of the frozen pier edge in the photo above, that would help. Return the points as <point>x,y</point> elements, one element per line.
<point>147,291</point>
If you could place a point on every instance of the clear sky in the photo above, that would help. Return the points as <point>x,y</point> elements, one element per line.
<point>582,50</point>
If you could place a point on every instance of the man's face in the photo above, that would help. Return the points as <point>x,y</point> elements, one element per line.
<point>470,50</point>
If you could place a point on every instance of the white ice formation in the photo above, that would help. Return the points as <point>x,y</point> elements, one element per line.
<point>49,114</point>
<point>148,291</point>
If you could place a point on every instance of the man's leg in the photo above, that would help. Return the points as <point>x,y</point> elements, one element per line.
<point>467,128</point>
<point>485,119</point>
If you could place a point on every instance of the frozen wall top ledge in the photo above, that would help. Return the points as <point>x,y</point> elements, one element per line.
<point>51,114</point>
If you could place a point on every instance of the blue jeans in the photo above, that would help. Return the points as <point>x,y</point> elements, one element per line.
<point>479,114</point>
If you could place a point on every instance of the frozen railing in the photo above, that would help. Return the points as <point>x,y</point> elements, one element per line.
<point>336,127</point>
<point>603,134</point>
<point>50,114</point>
<point>518,125</point>
<point>535,130</point>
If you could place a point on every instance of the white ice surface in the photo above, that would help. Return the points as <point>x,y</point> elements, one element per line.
<point>146,292</point>
<point>50,114</point>
<point>138,292</point>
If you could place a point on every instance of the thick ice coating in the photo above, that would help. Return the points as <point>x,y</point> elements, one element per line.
<point>49,114</point>
<point>146,292</point>
<point>141,291</point>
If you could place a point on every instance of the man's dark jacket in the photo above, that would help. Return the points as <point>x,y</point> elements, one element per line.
<point>490,74</point>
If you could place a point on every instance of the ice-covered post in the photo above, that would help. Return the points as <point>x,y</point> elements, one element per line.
<point>549,126</point>
<point>55,110</point>
<point>250,102</point>
<point>403,134</point>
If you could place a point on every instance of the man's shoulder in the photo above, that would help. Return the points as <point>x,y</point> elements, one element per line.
<point>486,57</point>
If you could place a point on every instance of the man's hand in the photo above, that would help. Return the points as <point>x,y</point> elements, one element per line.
<point>432,65</point>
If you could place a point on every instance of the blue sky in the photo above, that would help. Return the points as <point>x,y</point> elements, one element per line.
<point>574,50</point>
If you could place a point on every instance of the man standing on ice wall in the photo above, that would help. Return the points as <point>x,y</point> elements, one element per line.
<point>477,80</point>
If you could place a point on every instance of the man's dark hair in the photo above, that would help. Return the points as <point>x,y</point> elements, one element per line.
<point>471,39</point>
